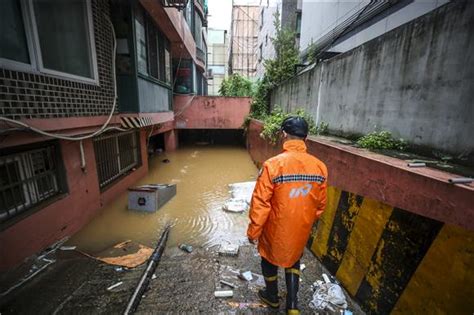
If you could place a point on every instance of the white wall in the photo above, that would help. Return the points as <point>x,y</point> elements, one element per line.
<point>416,82</point>
<point>266,31</point>
<point>320,16</point>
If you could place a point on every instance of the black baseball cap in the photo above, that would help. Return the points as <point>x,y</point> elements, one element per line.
<point>295,126</point>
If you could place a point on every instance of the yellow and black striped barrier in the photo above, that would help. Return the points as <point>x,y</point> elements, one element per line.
<point>395,261</point>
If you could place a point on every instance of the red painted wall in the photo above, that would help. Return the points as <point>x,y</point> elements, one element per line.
<point>210,112</point>
<point>69,214</point>
<point>423,191</point>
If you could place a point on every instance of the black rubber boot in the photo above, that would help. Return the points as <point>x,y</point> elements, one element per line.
<point>292,277</point>
<point>270,295</point>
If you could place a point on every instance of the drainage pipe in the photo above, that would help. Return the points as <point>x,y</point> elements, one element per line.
<point>147,274</point>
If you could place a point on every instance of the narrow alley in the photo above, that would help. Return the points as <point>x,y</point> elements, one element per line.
<point>166,156</point>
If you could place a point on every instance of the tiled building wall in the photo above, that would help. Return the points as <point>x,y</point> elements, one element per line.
<point>35,95</point>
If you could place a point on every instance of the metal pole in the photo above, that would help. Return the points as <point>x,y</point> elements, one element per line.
<point>145,279</point>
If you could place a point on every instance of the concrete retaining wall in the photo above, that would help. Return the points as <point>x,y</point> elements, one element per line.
<point>380,234</point>
<point>415,81</point>
<point>210,112</point>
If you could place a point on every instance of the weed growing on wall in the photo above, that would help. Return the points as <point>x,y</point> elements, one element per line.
<point>272,123</point>
<point>236,85</point>
<point>322,128</point>
<point>381,140</point>
<point>276,70</point>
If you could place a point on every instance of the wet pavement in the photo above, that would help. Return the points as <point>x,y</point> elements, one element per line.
<point>184,283</point>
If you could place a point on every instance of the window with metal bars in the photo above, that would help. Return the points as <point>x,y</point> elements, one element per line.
<point>115,155</point>
<point>27,178</point>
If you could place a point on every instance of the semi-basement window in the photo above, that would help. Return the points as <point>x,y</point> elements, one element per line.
<point>115,155</point>
<point>28,178</point>
<point>48,36</point>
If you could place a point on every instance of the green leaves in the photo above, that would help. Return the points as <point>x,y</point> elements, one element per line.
<point>381,140</point>
<point>276,70</point>
<point>272,123</point>
<point>236,85</point>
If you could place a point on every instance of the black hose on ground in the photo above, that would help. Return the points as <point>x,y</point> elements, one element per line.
<point>147,274</point>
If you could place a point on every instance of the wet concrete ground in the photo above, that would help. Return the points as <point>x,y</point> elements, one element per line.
<point>184,283</point>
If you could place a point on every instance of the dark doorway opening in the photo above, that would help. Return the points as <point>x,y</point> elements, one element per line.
<point>212,136</point>
<point>156,144</point>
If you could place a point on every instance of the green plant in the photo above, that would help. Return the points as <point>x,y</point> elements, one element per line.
<point>236,85</point>
<point>272,123</point>
<point>381,140</point>
<point>276,70</point>
<point>322,128</point>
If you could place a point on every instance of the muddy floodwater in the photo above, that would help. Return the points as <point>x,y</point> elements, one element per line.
<point>202,175</point>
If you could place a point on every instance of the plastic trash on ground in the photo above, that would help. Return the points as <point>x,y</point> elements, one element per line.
<point>246,275</point>
<point>126,254</point>
<point>327,296</point>
<point>229,250</point>
<point>224,293</point>
<point>230,274</point>
<point>114,286</point>
<point>186,248</point>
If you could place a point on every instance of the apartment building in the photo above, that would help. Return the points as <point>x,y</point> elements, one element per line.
<point>217,59</point>
<point>289,14</point>
<point>84,85</point>
<point>243,40</point>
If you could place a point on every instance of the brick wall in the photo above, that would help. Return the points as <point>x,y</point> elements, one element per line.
<point>34,95</point>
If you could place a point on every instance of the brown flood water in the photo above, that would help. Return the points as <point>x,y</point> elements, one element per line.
<point>202,174</point>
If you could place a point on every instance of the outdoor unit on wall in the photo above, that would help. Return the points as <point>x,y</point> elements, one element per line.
<point>177,4</point>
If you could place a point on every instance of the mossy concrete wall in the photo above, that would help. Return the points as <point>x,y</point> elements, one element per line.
<point>399,240</point>
<point>415,81</point>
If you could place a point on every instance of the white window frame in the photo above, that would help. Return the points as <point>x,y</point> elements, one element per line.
<point>36,65</point>
<point>18,65</point>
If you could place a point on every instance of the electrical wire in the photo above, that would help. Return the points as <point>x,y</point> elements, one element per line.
<point>104,127</point>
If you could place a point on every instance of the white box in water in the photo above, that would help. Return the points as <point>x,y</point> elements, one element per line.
<point>151,197</point>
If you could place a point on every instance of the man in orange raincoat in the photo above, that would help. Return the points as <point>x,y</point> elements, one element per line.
<point>289,196</point>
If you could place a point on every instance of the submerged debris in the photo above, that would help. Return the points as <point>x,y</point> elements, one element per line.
<point>241,195</point>
<point>235,205</point>
<point>185,247</point>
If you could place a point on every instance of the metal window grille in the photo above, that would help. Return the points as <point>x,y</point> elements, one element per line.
<point>26,179</point>
<point>115,155</point>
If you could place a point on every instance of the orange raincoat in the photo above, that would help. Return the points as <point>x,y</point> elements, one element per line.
<point>289,196</point>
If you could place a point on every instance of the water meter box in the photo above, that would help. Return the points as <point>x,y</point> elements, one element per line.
<point>150,197</point>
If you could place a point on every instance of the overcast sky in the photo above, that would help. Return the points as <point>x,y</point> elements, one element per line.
<point>220,12</point>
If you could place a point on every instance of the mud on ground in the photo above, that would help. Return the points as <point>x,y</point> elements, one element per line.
<point>184,283</point>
